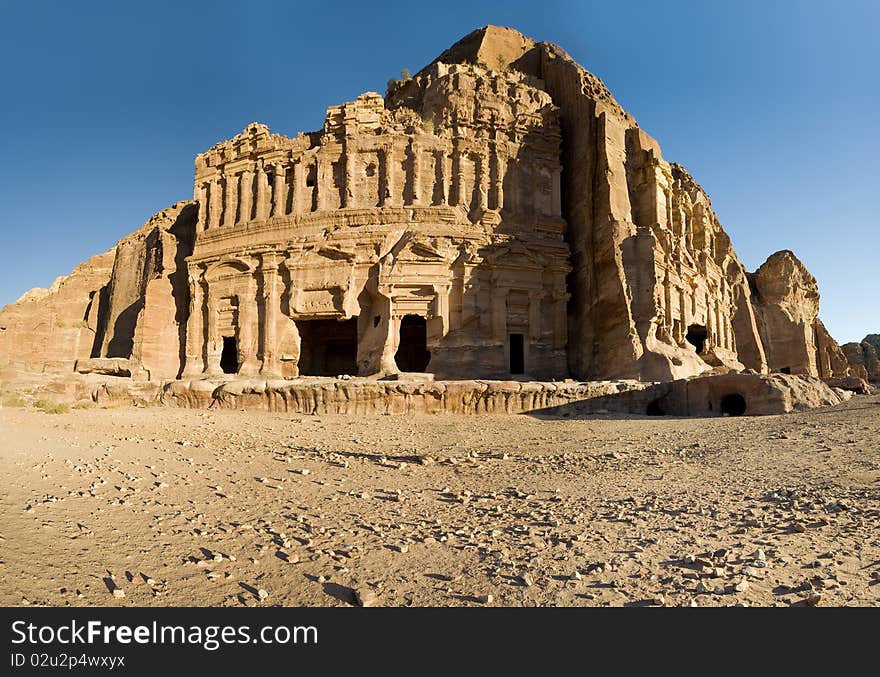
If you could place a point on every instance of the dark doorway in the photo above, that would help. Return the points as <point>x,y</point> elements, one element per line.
<point>517,354</point>
<point>229,356</point>
<point>696,336</point>
<point>733,405</point>
<point>785,370</point>
<point>327,347</point>
<point>655,409</point>
<point>412,352</point>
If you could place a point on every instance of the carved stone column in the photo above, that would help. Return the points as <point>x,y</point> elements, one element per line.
<point>247,330</point>
<point>536,311</point>
<point>231,199</point>
<point>246,196</point>
<point>215,202</point>
<point>483,181</point>
<point>279,203</point>
<point>322,184</point>
<point>199,196</point>
<point>214,346</point>
<point>456,197</point>
<point>348,197</point>
<point>262,194</point>
<point>269,344</point>
<point>415,150</point>
<point>500,168</point>
<point>388,172</point>
<point>556,203</point>
<point>195,325</point>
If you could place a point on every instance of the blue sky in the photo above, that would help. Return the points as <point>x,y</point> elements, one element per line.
<point>773,107</point>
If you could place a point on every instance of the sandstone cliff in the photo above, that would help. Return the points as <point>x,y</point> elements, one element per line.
<point>657,292</point>
<point>129,302</point>
<point>47,330</point>
<point>863,358</point>
<point>148,295</point>
<point>787,304</point>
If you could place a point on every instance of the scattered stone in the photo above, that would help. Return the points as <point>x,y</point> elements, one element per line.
<point>366,597</point>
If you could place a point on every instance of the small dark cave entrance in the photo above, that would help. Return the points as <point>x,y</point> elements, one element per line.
<point>696,336</point>
<point>733,404</point>
<point>654,408</point>
<point>229,356</point>
<point>327,347</point>
<point>412,350</point>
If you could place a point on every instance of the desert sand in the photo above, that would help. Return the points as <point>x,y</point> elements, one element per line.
<point>174,507</point>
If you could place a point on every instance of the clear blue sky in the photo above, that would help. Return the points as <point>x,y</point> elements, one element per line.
<point>773,106</point>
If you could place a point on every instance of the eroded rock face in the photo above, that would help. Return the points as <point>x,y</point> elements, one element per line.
<point>787,303</point>
<point>863,360</point>
<point>47,330</point>
<point>496,215</point>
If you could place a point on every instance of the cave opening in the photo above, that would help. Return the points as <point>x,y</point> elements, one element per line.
<point>733,404</point>
<point>654,408</point>
<point>696,336</point>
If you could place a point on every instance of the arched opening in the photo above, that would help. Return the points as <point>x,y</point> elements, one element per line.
<point>412,350</point>
<point>229,356</point>
<point>696,336</point>
<point>655,409</point>
<point>733,404</point>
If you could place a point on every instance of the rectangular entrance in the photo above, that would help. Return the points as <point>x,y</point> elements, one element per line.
<point>517,353</point>
<point>327,347</point>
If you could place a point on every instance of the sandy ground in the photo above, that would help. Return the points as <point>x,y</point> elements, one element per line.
<point>191,508</point>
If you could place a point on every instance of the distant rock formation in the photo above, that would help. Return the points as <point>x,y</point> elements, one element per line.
<point>786,299</point>
<point>864,357</point>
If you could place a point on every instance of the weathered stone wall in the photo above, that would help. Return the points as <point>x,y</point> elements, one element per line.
<point>656,289</point>
<point>787,303</point>
<point>49,329</point>
<point>148,295</point>
<point>441,205</point>
<point>863,360</point>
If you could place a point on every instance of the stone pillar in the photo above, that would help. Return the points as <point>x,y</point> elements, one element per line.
<point>279,202</point>
<point>500,169</point>
<point>556,203</point>
<point>416,175</point>
<point>230,200</point>
<point>443,171</point>
<point>321,185</point>
<point>214,346</point>
<point>483,181</point>
<point>200,197</point>
<point>246,196</point>
<point>215,204</point>
<point>455,197</point>
<point>388,172</point>
<point>536,311</point>
<point>348,197</point>
<point>247,330</point>
<point>262,194</point>
<point>195,326</point>
<point>442,307</point>
<point>269,343</point>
